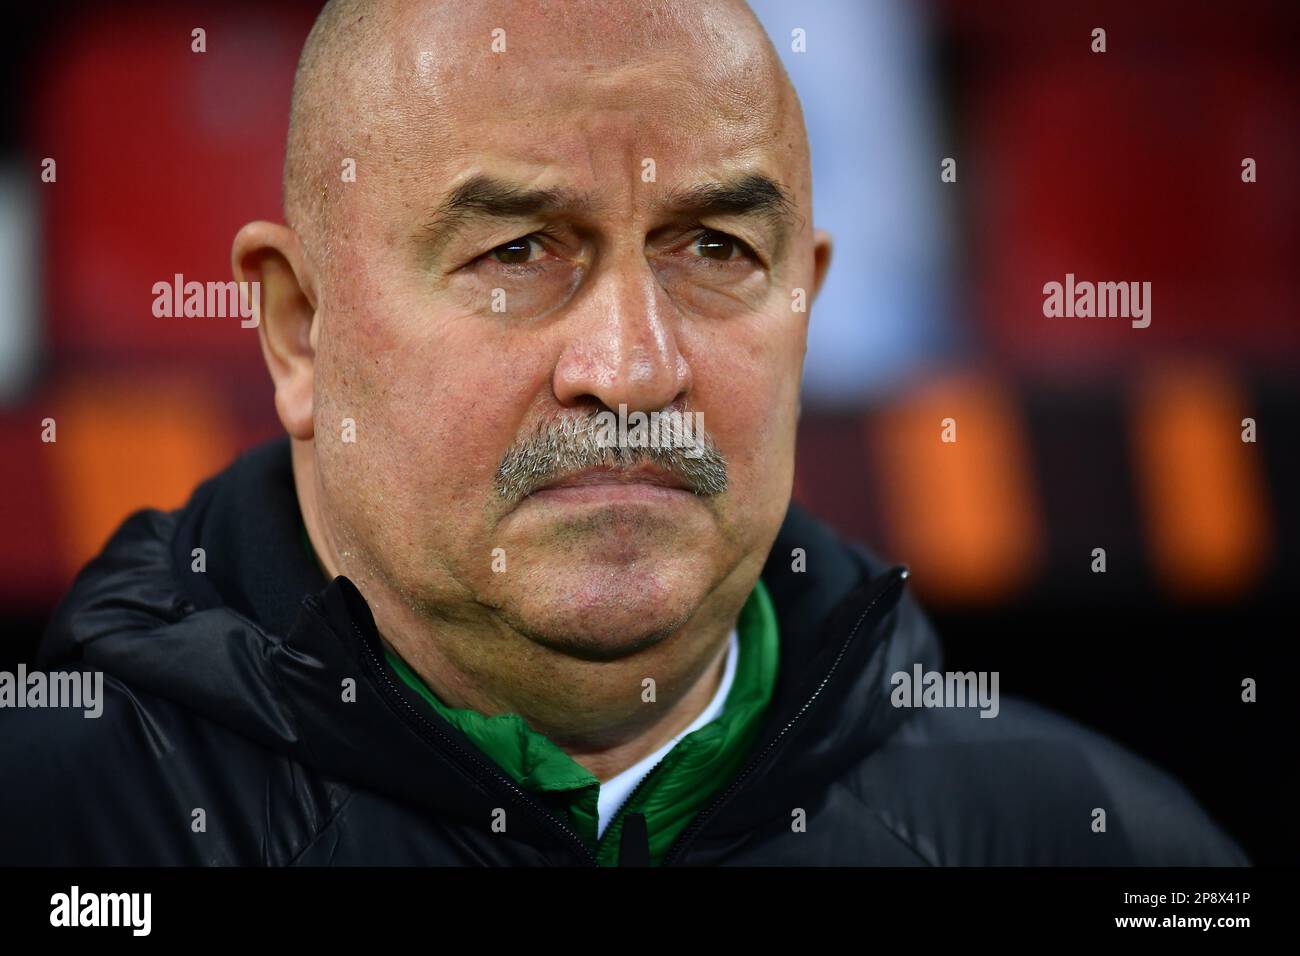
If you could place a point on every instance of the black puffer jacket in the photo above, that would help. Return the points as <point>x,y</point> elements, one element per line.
<point>222,693</point>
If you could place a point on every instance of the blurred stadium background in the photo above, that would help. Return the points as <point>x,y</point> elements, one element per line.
<point>1073,434</point>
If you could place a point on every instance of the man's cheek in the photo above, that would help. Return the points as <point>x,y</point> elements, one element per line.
<point>464,453</point>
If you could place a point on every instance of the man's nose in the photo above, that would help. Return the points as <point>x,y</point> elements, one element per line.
<point>622,346</point>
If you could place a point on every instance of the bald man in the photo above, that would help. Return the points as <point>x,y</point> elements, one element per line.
<point>490,602</point>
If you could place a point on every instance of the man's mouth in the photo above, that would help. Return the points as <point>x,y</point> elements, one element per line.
<point>644,482</point>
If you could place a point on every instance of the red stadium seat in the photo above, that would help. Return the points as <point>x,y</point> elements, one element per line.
<point>162,153</point>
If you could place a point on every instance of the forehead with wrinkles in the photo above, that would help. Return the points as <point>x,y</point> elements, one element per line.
<point>413,91</point>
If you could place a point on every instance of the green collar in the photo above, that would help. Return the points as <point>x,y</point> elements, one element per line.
<point>693,772</point>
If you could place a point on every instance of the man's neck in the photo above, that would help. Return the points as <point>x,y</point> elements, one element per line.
<point>605,763</point>
<point>606,716</point>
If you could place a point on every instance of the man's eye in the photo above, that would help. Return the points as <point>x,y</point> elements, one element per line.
<point>719,245</point>
<point>514,252</point>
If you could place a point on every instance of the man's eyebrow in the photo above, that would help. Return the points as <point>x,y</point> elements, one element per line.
<point>486,197</point>
<point>750,195</point>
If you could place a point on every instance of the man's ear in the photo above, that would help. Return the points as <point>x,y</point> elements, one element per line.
<point>821,258</point>
<point>271,255</point>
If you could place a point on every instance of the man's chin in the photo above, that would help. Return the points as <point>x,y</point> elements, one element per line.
<point>604,616</point>
<point>602,583</point>
<point>601,646</point>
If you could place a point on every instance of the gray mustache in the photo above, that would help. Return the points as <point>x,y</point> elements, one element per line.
<point>572,443</point>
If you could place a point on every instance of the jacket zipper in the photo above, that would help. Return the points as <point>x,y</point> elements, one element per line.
<point>492,773</point>
<point>631,797</point>
<point>899,575</point>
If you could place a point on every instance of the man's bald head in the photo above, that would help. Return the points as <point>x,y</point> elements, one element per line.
<point>338,50</point>
<point>348,79</point>
<point>558,207</point>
